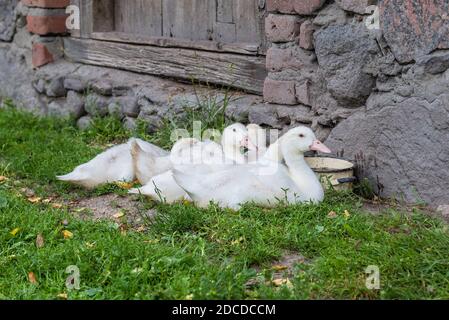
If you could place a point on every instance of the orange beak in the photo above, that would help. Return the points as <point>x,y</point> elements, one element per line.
<point>247,143</point>
<point>319,146</point>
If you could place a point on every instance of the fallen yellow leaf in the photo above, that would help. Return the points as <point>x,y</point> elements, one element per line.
<point>279,267</point>
<point>189,297</point>
<point>282,282</point>
<point>32,278</point>
<point>15,231</point>
<point>3,178</point>
<point>63,296</point>
<point>67,234</point>
<point>119,215</point>
<point>34,199</point>
<point>40,241</point>
<point>124,185</point>
<point>47,201</point>
<point>346,214</point>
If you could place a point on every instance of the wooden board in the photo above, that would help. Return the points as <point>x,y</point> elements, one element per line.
<point>187,19</point>
<point>142,17</point>
<point>242,48</point>
<point>239,71</point>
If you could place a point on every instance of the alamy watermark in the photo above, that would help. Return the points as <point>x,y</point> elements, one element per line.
<point>373,279</point>
<point>73,281</point>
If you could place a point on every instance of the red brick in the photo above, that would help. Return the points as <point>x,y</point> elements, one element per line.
<point>282,92</point>
<point>41,55</point>
<point>282,59</point>
<point>306,35</point>
<point>306,7</point>
<point>282,28</point>
<point>283,6</point>
<point>46,3</point>
<point>43,25</point>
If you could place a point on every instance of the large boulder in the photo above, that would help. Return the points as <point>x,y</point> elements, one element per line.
<point>400,141</point>
<point>415,27</point>
<point>344,54</point>
<point>8,18</point>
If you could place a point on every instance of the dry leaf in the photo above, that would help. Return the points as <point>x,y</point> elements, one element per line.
<point>119,215</point>
<point>67,234</point>
<point>282,282</point>
<point>189,297</point>
<point>280,267</point>
<point>3,178</point>
<point>124,185</point>
<point>40,241</point>
<point>332,215</point>
<point>346,214</point>
<point>63,296</point>
<point>140,229</point>
<point>56,206</point>
<point>32,278</point>
<point>34,199</point>
<point>47,201</point>
<point>15,231</point>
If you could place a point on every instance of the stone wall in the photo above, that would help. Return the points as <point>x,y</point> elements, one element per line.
<point>379,96</point>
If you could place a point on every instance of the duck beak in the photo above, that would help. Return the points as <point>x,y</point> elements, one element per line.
<point>247,143</point>
<point>319,146</point>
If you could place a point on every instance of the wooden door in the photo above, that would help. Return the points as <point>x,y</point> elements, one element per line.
<point>225,21</point>
<point>215,41</point>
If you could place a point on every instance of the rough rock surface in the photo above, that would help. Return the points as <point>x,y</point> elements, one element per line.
<point>401,142</point>
<point>415,27</point>
<point>8,18</point>
<point>344,53</point>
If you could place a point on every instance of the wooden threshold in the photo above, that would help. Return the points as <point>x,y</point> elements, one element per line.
<point>242,48</point>
<point>234,70</point>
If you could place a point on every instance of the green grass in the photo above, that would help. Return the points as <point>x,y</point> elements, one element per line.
<point>188,252</point>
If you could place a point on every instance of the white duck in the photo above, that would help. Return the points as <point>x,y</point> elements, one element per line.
<point>265,182</point>
<point>259,137</point>
<point>114,164</point>
<point>188,154</point>
<point>191,151</point>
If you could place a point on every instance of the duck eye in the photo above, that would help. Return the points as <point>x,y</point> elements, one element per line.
<point>235,130</point>
<point>301,135</point>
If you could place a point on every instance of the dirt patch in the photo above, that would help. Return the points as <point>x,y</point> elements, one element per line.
<point>282,270</point>
<point>112,207</point>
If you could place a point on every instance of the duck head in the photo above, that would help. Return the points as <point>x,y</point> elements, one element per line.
<point>301,140</point>
<point>236,137</point>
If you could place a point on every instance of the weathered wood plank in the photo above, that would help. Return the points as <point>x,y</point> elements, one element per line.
<point>87,18</point>
<point>242,48</point>
<point>104,19</point>
<point>138,17</point>
<point>239,71</point>
<point>187,19</point>
<point>225,11</point>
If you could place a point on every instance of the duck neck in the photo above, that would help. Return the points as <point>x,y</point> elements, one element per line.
<point>234,153</point>
<point>305,179</point>
<point>273,153</point>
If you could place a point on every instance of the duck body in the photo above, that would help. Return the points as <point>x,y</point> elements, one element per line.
<point>114,164</point>
<point>265,182</point>
<point>192,155</point>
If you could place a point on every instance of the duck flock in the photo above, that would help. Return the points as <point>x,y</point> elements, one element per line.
<point>240,169</point>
